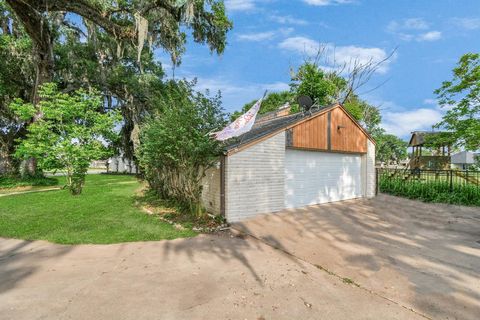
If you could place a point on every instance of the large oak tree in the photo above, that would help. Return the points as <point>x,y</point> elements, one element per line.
<point>159,22</point>
<point>107,45</point>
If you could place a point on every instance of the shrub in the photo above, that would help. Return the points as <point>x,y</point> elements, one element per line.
<point>432,191</point>
<point>176,148</point>
<point>67,133</point>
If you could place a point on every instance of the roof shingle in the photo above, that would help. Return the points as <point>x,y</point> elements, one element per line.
<point>264,128</point>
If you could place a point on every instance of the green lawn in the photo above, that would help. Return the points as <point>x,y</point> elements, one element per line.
<point>14,182</point>
<point>104,213</point>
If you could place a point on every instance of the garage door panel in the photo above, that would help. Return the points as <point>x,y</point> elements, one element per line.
<point>320,177</point>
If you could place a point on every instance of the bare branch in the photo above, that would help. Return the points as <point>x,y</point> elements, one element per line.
<point>360,74</point>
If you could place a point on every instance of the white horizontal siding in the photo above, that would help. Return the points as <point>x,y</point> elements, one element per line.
<point>255,179</point>
<point>211,190</point>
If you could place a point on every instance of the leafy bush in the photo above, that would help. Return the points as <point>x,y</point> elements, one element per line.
<point>67,133</point>
<point>432,191</point>
<point>176,148</point>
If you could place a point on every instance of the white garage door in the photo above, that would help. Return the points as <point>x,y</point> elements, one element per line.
<point>319,177</point>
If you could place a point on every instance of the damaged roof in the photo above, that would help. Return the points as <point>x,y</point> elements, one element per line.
<point>263,128</point>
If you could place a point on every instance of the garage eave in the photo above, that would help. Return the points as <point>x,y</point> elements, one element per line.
<point>268,129</point>
<point>271,128</point>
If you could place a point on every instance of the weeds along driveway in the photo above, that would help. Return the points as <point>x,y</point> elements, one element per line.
<point>206,277</point>
<point>423,256</point>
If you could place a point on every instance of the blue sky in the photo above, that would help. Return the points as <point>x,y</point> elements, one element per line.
<point>270,36</point>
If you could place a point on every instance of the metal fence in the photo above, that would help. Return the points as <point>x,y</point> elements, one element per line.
<point>453,178</point>
<point>452,186</point>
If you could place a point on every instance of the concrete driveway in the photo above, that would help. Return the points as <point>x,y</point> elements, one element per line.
<point>422,256</point>
<point>206,277</point>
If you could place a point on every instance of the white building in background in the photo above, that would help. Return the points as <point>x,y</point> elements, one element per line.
<point>119,164</point>
<point>462,160</point>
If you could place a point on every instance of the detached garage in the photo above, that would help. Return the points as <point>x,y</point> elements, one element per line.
<point>292,161</point>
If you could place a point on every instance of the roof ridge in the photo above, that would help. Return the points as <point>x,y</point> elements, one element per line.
<point>268,127</point>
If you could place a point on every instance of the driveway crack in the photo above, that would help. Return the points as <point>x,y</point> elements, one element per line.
<point>331,273</point>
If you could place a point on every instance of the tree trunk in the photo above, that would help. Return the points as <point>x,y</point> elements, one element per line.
<point>39,31</point>
<point>7,166</point>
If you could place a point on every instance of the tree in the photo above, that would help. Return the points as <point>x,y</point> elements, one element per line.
<point>272,102</point>
<point>389,147</point>
<point>324,87</point>
<point>108,45</point>
<point>476,165</point>
<point>69,135</point>
<point>368,115</point>
<point>176,147</point>
<point>160,23</point>
<point>461,96</point>
<point>16,80</point>
<point>313,81</point>
<point>122,82</point>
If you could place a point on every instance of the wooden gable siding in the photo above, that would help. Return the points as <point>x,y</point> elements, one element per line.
<point>311,134</point>
<point>345,135</point>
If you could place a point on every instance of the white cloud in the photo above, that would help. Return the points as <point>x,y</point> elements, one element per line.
<point>406,36</point>
<point>260,36</point>
<point>429,36</point>
<point>467,23</point>
<point>326,2</point>
<point>363,56</point>
<point>337,55</point>
<point>286,31</point>
<point>430,102</point>
<point>263,36</point>
<point>239,5</point>
<point>410,29</point>
<point>300,45</point>
<point>164,59</point>
<point>403,123</point>
<point>415,24</point>
<point>235,95</point>
<point>435,103</point>
<point>408,24</point>
<point>276,86</point>
<point>288,20</point>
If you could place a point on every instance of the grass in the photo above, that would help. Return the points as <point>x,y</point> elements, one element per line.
<point>344,279</point>
<point>350,281</point>
<point>104,213</point>
<point>16,182</point>
<point>432,191</point>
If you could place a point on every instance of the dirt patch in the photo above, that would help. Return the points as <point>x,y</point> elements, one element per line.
<point>168,212</point>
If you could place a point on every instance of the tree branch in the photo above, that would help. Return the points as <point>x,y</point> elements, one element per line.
<point>83,8</point>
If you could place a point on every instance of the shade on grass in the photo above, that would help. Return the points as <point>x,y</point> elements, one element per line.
<point>105,212</point>
<point>14,182</point>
